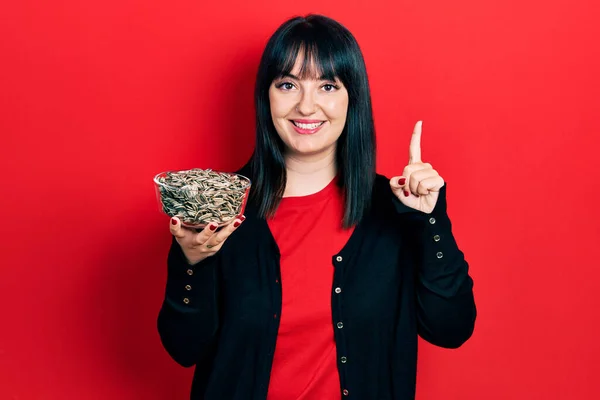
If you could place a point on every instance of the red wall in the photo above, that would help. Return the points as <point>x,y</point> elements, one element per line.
<point>96,97</point>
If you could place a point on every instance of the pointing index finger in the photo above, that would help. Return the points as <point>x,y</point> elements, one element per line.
<point>414,152</point>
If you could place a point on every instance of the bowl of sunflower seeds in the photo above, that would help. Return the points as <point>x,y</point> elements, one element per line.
<point>201,196</point>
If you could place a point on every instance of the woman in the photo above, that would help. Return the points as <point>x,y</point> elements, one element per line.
<point>334,270</point>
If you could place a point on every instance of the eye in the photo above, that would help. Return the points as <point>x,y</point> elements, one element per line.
<point>285,86</point>
<point>328,87</point>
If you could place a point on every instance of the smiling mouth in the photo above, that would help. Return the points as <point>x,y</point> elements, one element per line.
<point>313,125</point>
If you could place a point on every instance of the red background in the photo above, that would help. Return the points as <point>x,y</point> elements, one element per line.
<point>97,97</point>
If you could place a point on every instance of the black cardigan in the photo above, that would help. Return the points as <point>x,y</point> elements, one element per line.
<point>400,274</point>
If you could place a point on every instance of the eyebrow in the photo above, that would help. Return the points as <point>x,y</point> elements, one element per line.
<point>321,78</point>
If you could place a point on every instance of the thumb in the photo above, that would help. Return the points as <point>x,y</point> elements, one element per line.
<point>397,183</point>
<point>175,227</point>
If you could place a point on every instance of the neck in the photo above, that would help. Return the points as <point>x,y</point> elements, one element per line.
<point>309,174</point>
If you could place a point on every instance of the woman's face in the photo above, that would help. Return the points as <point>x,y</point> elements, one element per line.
<point>309,114</point>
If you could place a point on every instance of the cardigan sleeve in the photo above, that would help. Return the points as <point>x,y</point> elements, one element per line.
<point>446,309</point>
<point>189,317</point>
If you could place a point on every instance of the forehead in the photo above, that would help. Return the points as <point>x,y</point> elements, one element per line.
<point>307,65</point>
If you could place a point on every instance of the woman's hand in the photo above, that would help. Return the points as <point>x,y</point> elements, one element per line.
<point>420,184</point>
<point>197,246</point>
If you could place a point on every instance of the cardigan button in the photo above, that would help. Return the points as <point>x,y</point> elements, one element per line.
<point>190,272</point>
<point>339,259</point>
<point>440,254</point>
<point>345,392</point>
<point>340,325</point>
<point>436,238</point>
<point>338,290</point>
<point>432,220</point>
<point>186,300</point>
<point>343,360</point>
<point>188,287</point>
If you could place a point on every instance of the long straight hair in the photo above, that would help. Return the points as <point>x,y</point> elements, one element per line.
<point>333,51</point>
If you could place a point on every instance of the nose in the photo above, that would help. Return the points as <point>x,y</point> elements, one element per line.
<point>307,104</point>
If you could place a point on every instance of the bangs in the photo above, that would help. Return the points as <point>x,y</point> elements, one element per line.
<point>316,58</point>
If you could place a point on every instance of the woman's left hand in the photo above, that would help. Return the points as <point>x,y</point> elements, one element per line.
<point>419,186</point>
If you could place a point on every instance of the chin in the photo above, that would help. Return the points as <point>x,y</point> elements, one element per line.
<point>310,150</point>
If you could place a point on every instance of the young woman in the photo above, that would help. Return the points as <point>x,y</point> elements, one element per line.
<point>320,290</point>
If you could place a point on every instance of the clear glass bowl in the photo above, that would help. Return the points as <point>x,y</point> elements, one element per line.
<point>198,197</point>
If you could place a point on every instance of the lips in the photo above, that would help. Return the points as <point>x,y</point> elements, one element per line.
<point>307,127</point>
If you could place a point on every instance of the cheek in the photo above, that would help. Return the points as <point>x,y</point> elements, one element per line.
<point>273,105</point>
<point>337,109</point>
<point>279,106</point>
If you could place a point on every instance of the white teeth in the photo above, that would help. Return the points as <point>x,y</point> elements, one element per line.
<point>308,126</point>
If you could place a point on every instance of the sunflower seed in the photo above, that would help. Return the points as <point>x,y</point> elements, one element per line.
<point>199,196</point>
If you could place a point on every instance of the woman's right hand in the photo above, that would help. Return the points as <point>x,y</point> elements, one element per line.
<point>197,246</point>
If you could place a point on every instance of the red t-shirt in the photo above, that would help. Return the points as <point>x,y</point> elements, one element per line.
<point>308,231</point>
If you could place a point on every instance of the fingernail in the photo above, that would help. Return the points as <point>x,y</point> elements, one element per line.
<point>243,218</point>
<point>406,193</point>
<point>236,224</point>
<point>212,227</point>
<point>173,221</point>
<point>401,181</point>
